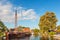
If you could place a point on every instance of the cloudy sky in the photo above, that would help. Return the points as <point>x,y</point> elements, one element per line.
<point>29,11</point>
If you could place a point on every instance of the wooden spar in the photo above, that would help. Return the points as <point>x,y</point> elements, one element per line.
<point>15,18</point>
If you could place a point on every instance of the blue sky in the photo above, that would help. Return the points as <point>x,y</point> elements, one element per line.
<point>37,9</point>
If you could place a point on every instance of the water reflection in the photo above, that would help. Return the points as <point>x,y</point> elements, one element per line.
<point>28,38</point>
<point>34,38</point>
<point>31,38</point>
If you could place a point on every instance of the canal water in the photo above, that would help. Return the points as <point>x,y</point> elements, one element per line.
<point>29,38</point>
<point>32,38</point>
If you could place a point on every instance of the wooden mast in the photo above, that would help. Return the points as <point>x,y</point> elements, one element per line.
<point>15,18</point>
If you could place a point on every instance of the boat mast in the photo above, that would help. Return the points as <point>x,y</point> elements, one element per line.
<point>15,18</point>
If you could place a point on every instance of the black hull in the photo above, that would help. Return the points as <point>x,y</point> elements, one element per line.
<point>27,35</point>
<point>18,35</point>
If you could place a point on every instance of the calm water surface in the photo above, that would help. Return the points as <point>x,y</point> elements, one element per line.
<point>29,38</point>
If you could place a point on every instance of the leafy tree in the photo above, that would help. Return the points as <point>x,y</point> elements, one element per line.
<point>2,27</point>
<point>48,21</point>
<point>58,27</point>
<point>35,31</point>
<point>20,28</point>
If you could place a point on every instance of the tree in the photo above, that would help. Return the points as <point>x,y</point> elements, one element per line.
<point>35,31</point>
<point>48,21</point>
<point>20,28</point>
<point>58,29</point>
<point>2,26</point>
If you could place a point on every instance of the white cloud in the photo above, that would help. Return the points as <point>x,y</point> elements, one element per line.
<point>7,13</point>
<point>28,14</point>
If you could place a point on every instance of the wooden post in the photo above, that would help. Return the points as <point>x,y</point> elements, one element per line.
<point>6,36</point>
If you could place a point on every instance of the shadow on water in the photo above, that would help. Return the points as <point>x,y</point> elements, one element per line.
<point>31,38</point>
<point>28,38</point>
<point>42,38</point>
